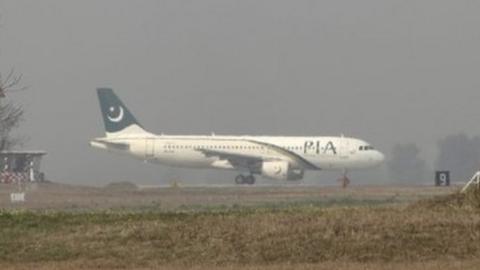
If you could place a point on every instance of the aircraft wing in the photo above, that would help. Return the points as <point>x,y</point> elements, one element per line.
<point>235,159</point>
<point>288,155</point>
<point>254,161</point>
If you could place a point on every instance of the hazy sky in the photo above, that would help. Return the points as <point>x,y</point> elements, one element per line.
<point>385,71</point>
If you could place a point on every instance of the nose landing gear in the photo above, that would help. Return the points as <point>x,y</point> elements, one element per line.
<point>344,180</point>
<point>242,179</point>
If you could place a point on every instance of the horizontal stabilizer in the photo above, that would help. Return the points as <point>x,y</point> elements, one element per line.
<point>109,145</point>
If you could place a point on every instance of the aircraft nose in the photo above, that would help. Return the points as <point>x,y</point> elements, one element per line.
<point>379,157</point>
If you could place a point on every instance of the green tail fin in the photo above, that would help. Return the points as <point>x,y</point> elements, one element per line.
<point>116,115</point>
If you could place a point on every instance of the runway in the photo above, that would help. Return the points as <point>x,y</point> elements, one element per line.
<point>163,198</point>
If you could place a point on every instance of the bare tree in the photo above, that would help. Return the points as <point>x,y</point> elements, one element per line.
<point>11,114</point>
<point>10,83</point>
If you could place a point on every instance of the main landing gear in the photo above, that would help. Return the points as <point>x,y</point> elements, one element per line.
<point>242,179</point>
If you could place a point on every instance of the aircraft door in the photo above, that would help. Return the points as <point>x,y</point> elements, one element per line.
<point>345,151</point>
<point>344,148</point>
<point>149,148</point>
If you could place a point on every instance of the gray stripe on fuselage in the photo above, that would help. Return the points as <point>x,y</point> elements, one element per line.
<point>287,152</point>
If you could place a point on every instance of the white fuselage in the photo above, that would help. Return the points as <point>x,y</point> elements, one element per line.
<point>323,153</point>
<point>281,158</point>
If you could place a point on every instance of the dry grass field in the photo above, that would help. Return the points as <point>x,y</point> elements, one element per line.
<point>240,228</point>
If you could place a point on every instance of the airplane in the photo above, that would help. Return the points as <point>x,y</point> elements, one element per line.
<point>272,157</point>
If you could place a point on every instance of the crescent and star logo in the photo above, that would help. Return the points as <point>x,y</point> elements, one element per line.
<point>117,118</point>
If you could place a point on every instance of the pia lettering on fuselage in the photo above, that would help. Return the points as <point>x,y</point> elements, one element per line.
<point>315,147</point>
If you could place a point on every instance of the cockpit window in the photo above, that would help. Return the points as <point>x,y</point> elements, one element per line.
<point>361,148</point>
<point>366,148</point>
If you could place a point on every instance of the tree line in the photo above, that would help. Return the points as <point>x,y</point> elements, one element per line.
<point>459,154</point>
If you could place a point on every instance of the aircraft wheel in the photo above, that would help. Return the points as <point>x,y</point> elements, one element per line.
<point>250,179</point>
<point>240,179</point>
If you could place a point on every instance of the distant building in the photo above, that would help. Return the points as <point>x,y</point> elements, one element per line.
<point>21,166</point>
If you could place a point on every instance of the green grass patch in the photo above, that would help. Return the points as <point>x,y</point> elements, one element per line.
<point>300,232</point>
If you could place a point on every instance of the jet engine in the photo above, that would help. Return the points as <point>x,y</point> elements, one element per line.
<point>280,170</point>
